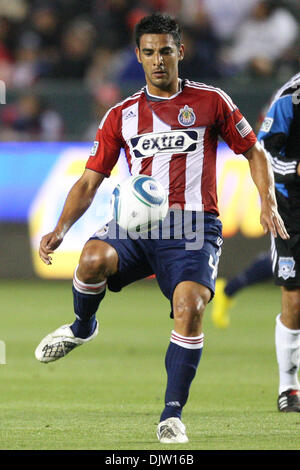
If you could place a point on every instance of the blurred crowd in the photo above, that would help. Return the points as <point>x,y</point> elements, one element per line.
<point>92,41</point>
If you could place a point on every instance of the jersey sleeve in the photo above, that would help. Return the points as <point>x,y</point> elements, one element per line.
<point>273,136</point>
<point>107,145</point>
<point>278,119</point>
<point>233,127</point>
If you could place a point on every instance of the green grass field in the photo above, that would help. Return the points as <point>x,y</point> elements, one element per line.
<point>109,393</point>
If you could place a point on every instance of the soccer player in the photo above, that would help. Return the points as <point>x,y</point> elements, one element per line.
<point>259,270</point>
<point>169,130</point>
<point>279,134</point>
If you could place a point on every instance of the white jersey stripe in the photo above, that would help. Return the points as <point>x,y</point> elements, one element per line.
<point>212,88</point>
<point>293,82</point>
<point>133,97</point>
<point>160,167</point>
<point>273,254</point>
<point>193,173</point>
<point>281,171</point>
<point>279,166</point>
<point>130,125</point>
<point>130,121</point>
<point>231,106</point>
<point>283,165</point>
<point>136,164</point>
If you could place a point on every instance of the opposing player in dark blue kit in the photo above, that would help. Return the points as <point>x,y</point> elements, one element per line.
<point>280,136</point>
<point>169,130</point>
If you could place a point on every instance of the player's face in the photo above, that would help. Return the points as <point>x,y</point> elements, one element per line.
<point>159,57</point>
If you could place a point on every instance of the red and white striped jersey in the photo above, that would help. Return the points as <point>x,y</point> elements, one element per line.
<point>174,140</point>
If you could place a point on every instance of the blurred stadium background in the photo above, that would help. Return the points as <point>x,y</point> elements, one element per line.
<point>65,62</point>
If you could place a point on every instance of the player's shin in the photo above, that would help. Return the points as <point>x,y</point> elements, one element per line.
<point>86,299</point>
<point>182,359</point>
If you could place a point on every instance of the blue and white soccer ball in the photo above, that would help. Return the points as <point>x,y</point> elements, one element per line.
<point>139,203</point>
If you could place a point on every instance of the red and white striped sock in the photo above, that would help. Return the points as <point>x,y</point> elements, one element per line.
<point>87,298</point>
<point>189,342</point>
<point>84,288</point>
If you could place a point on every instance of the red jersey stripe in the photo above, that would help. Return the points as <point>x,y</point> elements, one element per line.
<point>177,180</point>
<point>146,167</point>
<point>145,125</point>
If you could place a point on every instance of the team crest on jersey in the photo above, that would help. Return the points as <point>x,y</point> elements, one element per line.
<point>176,141</point>
<point>286,267</point>
<point>267,124</point>
<point>186,116</point>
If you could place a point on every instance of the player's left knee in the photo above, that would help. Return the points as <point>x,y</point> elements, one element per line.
<point>188,321</point>
<point>188,311</point>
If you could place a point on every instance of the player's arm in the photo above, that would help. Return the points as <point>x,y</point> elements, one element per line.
<point>77,202</point>
<point>262,175</point>
<point>273,136</point>
<point>102,159</point>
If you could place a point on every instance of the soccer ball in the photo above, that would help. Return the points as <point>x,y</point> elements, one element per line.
<point>139,203</point>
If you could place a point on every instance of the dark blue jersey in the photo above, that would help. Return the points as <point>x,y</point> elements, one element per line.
<point>280,136</point>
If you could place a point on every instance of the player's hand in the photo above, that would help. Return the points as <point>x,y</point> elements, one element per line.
<point>272,222</point>
<point>48,244</point>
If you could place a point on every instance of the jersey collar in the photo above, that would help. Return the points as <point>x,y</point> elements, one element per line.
<point>161,98</point>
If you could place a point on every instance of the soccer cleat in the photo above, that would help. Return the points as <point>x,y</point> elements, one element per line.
<point>171,431</point>
<point>289,401</point>
<point>221,305</point>
<point>59,343</point>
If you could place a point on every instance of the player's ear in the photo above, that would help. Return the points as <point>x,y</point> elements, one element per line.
<point>181,52</point>
<point>138,54</point>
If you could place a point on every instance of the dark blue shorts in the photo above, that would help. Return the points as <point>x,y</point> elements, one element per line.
<point>173,258</point>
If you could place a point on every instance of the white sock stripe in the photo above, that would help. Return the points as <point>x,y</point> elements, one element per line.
<point>87,290</point>
<point>89,286</point>
<point>188,342</point>
<point>92,289</point>
<point>195,338</point>
<point>191,339</point>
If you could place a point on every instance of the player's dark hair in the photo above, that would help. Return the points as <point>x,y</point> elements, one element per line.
<point>158,23</point>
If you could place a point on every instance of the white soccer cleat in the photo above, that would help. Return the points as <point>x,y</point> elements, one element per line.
<point>59,343</point>
<point>171,431</point>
